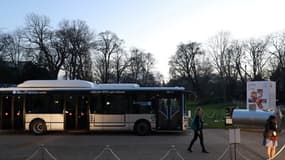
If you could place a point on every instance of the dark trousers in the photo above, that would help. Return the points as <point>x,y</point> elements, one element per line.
<point>197,133</point>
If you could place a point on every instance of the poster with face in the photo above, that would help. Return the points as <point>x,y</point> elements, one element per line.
<point>261,95</point>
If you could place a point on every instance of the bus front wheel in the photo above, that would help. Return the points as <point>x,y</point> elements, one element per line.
<point>38,127</point>
<point>142,128</point>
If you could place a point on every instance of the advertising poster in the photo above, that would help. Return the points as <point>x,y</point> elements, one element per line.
<point>261,95</point>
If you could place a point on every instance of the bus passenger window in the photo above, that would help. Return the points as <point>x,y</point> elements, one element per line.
<point>142,107</point>
<point>44,104</point>
<point>96,104</point>
<point>115,104</point>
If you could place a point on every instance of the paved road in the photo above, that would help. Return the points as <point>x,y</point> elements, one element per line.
<point>66,146</point>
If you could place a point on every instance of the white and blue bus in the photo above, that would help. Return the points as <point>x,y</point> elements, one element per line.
<point>39,106</point>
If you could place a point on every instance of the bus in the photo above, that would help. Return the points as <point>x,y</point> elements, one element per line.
<point>39,106</point>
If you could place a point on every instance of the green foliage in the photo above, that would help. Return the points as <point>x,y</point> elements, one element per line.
<point>213,114</point>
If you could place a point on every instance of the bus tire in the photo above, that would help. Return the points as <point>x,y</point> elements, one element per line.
<point>142,128</point>
<point>38,127</point>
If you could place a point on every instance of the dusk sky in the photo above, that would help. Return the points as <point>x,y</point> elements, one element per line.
<point>156,26</point>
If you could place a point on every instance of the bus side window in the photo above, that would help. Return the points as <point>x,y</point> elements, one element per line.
<point>115,104</point>
<point>96,105</point>
<point>56,104</point>
<point>141,104</point>
<point>44,104</point>
<point>37,104</point>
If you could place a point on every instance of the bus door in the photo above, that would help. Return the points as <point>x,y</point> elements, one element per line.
<point>83,112</point>
<point>76,112</point>
<point>18,112</point>
<point>169,114</point>
<point>70,108</point>
<point>6,114</point>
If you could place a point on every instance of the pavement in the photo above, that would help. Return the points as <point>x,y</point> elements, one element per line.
<point>127,146</point>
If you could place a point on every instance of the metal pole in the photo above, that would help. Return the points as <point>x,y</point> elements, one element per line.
<point>42,152</point>
<point>231,157</point>
<point>235,151</point>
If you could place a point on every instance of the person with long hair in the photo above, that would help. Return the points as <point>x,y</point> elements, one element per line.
<point>270,136</point>
<point>197,126</point>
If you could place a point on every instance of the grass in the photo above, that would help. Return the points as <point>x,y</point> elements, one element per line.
<point>214,114</point>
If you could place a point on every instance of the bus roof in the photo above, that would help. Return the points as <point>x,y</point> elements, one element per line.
<point>81,85</point>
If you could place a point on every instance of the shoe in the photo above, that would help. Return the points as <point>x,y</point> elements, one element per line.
<point>204,151</point>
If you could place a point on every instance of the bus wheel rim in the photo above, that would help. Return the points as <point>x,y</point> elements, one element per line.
<point>38,128</point>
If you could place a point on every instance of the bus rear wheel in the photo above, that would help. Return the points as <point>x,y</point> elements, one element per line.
<point>38,127</point>
<point>142,128</point>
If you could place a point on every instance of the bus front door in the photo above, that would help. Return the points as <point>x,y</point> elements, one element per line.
<point>76,113</point>
<point>169,114</point>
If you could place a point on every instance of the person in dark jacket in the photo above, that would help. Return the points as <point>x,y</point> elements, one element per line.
<point>270,136</point>
<point>197,126</point>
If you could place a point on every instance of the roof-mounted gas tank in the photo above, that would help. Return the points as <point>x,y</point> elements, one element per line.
<point>56,84</point>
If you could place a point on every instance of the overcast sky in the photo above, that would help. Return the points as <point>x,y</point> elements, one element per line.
<point>156,26</point>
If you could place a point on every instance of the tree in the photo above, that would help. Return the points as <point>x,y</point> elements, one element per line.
<point>2,42</point>
<point>236,74</point>
<point>218,46</point>
<point>32,71</point>
<point>185,63</point>
<point>107,45</point>
<point>8,73</point>
<point>39,39</point>
<point>140,68</point>
<point>6,40</point>
<point>258,57</point>
<point>12,51</point>
<point>74,41</point>
<point>120,62</point>
<point>224,62</point>
<point>148,64</point>
<point>278,42</point>
<point>238,54</point>
<point>277,45</point>
<point>136,65</point>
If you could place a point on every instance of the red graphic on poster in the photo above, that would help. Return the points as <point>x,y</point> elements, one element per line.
<point>259,99</point>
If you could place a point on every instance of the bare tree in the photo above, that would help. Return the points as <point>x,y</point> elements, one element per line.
<point>278,42</point>
<point>140,68</point>
<point>277,62</point>
<point>238,54</point>
<point>218,46</point>
<point>1,43</point>
<point>136,65</point>
<point>224,61</point>
<point>74,41</point>
<point>185,63</point>
<point>6,40</point>
<point>107,45</point>
<point>14,52</point>
<point>258,57</point>
<point>39,36</point>
<point>148,64</point>
<point>120,62</point>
